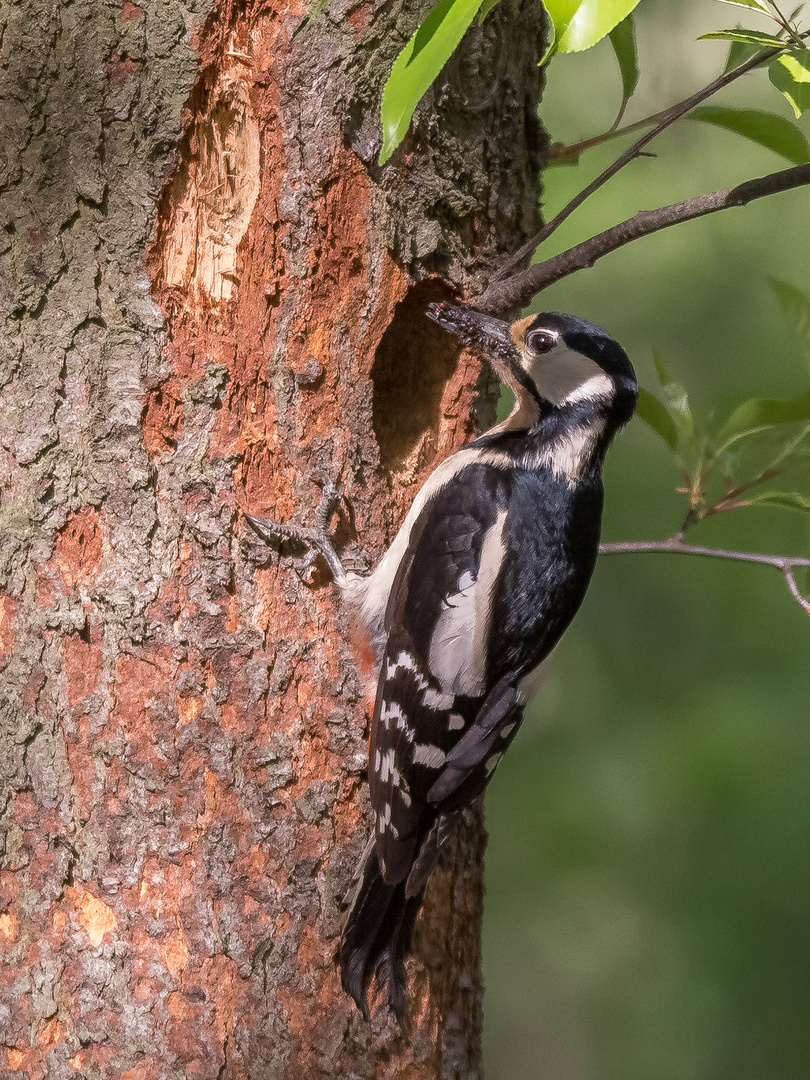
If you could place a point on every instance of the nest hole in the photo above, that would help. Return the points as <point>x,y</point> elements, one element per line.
<point>414,360</point>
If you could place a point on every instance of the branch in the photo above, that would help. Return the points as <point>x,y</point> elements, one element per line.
<point>519,289</point>
<point>785,564</point>
<point>668,117</point>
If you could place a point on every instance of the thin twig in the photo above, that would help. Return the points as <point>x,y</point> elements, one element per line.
<point>518,290</point>
<point>561,151</point>
<point>794,588</point>
<point>675,545</point>
<point>668,117</point>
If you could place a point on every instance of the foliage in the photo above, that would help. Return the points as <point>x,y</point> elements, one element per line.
<point>418,65</point>
<point>573,25</point>
<point>735,463</point>
<point>726,464</point>
<point>577,25</point>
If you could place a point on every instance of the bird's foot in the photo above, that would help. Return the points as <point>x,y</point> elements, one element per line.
<point>315,539</point>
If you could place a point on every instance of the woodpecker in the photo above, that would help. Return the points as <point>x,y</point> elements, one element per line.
<point>487,570</point>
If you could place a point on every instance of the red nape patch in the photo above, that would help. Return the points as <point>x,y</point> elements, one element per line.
<point>130,11</point>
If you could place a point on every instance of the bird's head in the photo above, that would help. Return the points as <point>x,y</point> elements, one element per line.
<point>548,359</point>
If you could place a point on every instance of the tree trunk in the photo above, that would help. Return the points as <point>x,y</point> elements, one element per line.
<point>212,300</point>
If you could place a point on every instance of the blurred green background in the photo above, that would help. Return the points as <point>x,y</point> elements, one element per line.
<point>648,872</point>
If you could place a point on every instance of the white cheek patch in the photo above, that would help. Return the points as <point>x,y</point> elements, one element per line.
<point>566,376</point>
<point>597,388</point>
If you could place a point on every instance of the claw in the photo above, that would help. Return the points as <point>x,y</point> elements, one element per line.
<point>316,538</point>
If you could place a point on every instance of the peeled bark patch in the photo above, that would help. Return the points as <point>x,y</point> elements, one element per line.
<point>213,194</point>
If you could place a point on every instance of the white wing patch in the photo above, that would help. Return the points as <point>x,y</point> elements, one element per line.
<point>367,597</point>
<point>427,754</point>
<point>435,699</point>
<point>403,662</point>
<point>385,767</point>
<point>384,823</point>
<point>457,655</point>
<point>391,713</point>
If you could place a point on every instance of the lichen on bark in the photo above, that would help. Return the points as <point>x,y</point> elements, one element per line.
<point>183,723</point>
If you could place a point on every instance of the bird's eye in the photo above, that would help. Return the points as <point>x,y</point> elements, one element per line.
<point>541,341</point>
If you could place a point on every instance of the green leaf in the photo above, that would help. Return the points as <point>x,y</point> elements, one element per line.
<point>418,65</point>
<point>579,24</point>
<point>655,415</point>
<point>775,132</point>
<point>755,5</point>
<point>738,53</point>
<point>677,399</point>
<point>795,306</point>
<point>790,74</point>
<point>761,413</point>
<point>623,40</point>
<point>749,37</point>
<point>791,499</point>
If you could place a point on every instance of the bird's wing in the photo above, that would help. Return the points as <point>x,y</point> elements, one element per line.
<point>435,664</point>
<point>472,761</point>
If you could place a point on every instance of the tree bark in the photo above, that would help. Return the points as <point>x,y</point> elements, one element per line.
<point>212,300</point>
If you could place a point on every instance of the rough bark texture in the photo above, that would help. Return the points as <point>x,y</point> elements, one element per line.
<point>183,723</point>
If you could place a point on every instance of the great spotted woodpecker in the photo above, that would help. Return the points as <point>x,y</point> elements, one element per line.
<point>487,570</point>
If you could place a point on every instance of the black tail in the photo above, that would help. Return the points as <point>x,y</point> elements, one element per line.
<point>376,937</point>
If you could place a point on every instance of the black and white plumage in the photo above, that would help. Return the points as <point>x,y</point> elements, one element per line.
<point>485,574</point>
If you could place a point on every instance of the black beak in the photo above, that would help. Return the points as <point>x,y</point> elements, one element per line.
<point>491,337</point>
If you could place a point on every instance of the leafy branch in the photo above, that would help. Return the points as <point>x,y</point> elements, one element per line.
<point>518,290</point>
<point>663,120</point>
<point>712,454</point>
<point>571,27</point>
<point>509,289</point>
<point>766,128</point>
<point>708,457</point>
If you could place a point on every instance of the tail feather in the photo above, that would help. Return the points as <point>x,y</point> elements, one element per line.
<point>379,926</point>
<point>376,937</point>
<point>369,907</point>
<point>395,942</point>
